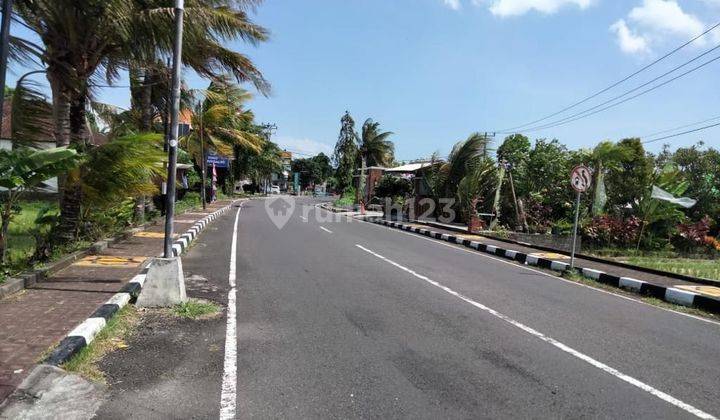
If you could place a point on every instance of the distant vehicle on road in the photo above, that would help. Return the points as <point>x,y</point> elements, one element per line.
<point>275,189</point>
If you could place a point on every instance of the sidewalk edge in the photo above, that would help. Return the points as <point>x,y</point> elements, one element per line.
<point>84,333</point>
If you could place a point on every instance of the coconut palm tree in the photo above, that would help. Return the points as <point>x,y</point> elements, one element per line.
<point>220,123</point>
<point>84,39</point>
<point>374,149</point>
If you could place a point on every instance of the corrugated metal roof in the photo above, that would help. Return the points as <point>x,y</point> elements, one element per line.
<point>412,167</point>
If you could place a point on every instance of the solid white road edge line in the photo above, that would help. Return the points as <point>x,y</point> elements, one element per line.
<point>326,230</point>
<point>612,371</point>
<point>228,395</point>
<point>524,267</point>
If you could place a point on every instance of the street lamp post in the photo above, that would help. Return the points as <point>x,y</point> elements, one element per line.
<point>174,120</point>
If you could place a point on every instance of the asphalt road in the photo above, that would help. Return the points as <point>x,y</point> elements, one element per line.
<point>354,320</point>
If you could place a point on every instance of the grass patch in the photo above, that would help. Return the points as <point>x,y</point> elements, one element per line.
<point>346,200</point>
<point>21,243</point>
<point>197,309</point>
<point>708,269</point>
<point>111,338</point>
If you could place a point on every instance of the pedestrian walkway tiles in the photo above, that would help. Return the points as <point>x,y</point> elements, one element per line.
<point>703,290</point>
<point>155,235</point>
<point>550,255</point>
<point>110,261</point>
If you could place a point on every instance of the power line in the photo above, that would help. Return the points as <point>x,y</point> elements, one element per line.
<point>586,114</point>
<point>681,134</point>
<point>630,91</point>
<point>614,84</point>
<point>670,130</point>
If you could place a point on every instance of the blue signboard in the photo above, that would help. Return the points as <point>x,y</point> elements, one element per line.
<point>219,161</point>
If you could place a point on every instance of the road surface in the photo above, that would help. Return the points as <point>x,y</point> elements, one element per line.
<point>353,320</point>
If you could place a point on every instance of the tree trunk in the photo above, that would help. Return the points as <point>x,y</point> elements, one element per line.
<point>146,114</point>
<point>71,190</point>
<point>3,234</point>
<point>79,134</point>
<point>60,111</point>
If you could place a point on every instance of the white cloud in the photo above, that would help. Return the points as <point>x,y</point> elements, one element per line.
<point>453,4</point>
<point>654,22</point>
<point>629,42</point>
<point>506,8</point>
<point>303,147</point>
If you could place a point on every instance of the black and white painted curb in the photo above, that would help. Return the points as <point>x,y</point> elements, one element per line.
<point>668,294</point>
<point>82,335</point>
<point>184,241</point>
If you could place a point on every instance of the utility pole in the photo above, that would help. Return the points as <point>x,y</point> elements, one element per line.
<point>173,137</point>
<point>4,47</point>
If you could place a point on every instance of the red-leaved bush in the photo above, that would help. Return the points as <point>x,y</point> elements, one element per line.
<point>695,233</point>
<point>608,230</point>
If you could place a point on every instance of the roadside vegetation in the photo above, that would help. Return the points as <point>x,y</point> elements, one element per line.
<point>197,309</point>
<point>109,162</point>
<point>523,189</point>
<point>111,338</point>
<point>578,278</point>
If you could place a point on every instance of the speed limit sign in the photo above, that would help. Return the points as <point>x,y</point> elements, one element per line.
<point>581,178</point>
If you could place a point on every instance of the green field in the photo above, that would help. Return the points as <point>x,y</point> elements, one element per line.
<point>708,269</point>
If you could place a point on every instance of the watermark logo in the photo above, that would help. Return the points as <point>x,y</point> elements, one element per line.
<point>280,209</point>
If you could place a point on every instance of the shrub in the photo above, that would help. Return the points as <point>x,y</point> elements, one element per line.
<point>695,233</point>
<point>391,186</point>
<point>608,230</point>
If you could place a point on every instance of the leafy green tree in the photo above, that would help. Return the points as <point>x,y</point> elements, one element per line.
<point>515,150</point>
<point>631,175</point>
<point>324,167</point>
<point>314,170</point>
<point>547,178</point>
<point>345,155</point>
<point>21,171</point>
<point>701,168</point>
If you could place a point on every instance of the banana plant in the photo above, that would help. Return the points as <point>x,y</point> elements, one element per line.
<point>23,170</point>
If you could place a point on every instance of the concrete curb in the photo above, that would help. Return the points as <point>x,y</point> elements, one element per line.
<point>333,209</point>
<point>184,241</point>
<point>667,294</point>
<point>82,335</point>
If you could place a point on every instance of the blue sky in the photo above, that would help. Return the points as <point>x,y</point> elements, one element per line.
<point>434,71</point>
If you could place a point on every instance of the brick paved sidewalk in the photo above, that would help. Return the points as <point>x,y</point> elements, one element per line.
<point>35,319</point>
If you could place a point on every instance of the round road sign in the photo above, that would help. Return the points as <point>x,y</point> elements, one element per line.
<point>581,178</point>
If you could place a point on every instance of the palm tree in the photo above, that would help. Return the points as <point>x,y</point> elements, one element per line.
<point>220,123</point>
<point>474,188</point>
<point>464,156</point>
<point>84,38</point>
<point>374,149</point>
